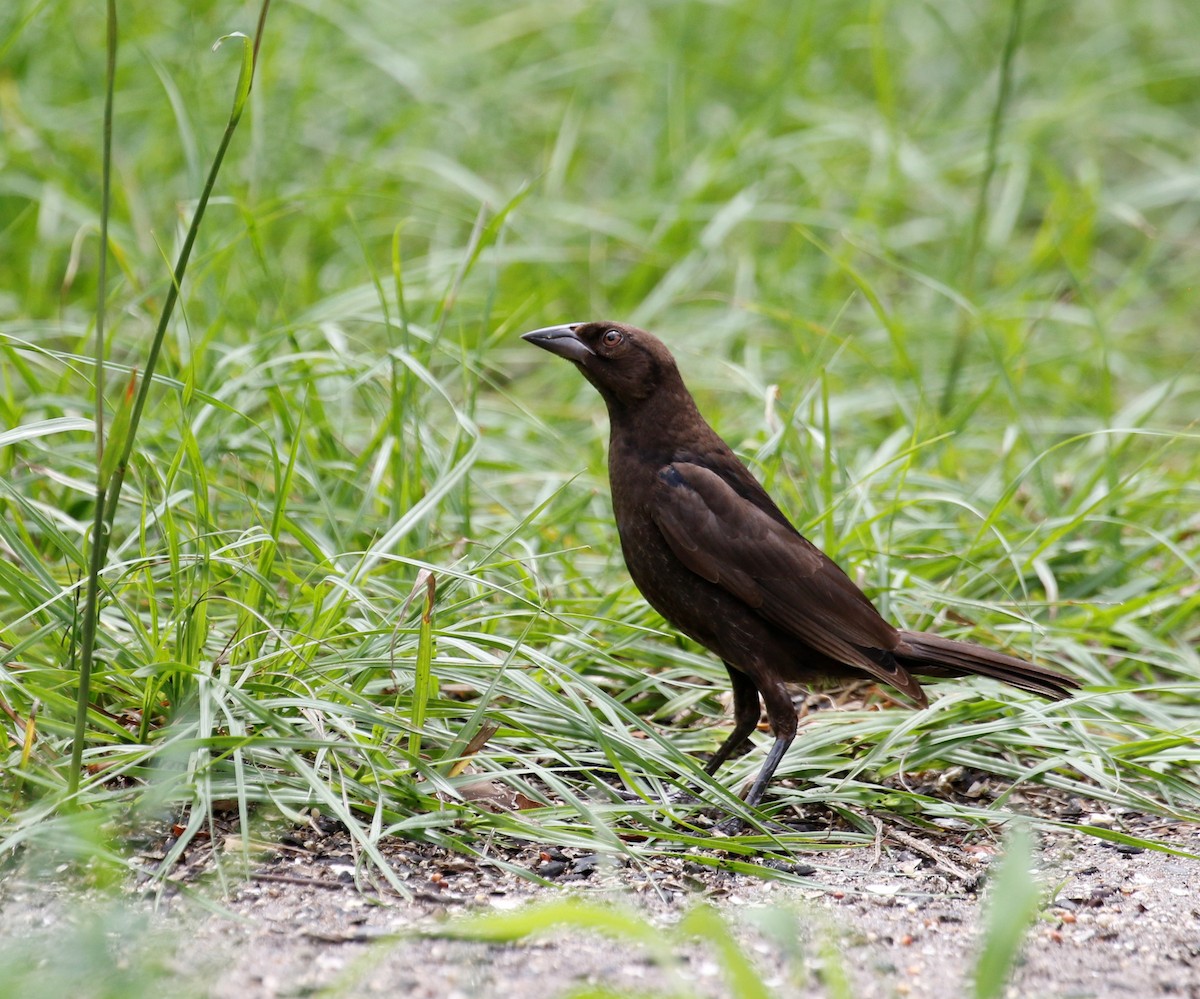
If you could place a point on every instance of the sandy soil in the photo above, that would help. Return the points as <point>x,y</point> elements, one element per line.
<point>899,919</point>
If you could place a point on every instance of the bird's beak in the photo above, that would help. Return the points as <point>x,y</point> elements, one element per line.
<point>560,340</point>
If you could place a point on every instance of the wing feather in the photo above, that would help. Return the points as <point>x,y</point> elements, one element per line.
<point>772,568</point>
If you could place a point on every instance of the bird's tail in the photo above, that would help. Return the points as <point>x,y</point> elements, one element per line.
<point>931,655</point>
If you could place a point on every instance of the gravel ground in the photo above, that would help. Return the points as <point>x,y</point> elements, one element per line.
<point>899,919</point>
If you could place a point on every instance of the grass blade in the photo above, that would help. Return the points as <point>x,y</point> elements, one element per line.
<point>1012,906</point>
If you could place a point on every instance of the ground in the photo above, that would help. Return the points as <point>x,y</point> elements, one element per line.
<point>901,918</point>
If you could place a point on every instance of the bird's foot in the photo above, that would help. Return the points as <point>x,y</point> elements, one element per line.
<point>731,825</point>
<point>675,798</point>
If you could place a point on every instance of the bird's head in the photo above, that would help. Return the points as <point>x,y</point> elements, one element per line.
<point>625,364</point>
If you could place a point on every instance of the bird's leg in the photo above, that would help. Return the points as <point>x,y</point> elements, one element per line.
<point>782,715</point>
<point>746,712</point>
<point>745,718</point>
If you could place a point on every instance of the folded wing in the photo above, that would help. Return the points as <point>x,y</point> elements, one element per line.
<point>728,540</point>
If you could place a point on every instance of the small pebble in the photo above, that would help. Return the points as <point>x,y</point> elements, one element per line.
<point>551,869</point>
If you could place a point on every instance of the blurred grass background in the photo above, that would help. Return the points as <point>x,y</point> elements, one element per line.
<point>951,325</point>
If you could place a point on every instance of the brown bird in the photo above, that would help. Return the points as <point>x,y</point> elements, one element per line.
<point>714,555</point>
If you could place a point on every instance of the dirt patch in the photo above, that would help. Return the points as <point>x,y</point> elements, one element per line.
<point>896,919</point>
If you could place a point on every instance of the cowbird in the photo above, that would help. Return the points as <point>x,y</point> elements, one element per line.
<point>714,555</point>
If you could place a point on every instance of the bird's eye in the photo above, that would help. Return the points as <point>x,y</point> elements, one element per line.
<point>612,338</point>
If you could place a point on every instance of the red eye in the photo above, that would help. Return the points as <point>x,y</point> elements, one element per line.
<point>612,338</point>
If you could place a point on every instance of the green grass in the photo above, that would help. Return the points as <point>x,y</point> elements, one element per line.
<point>702,924</point>
<point>987,414</point>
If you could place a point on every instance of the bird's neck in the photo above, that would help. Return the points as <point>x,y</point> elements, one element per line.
<point>666,423</point>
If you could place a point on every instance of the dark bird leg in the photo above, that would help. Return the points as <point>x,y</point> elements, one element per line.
<point>784,724</point>
<point>782,715</point>
<point>746,712</point>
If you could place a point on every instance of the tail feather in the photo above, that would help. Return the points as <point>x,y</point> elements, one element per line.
<point>931,655</point>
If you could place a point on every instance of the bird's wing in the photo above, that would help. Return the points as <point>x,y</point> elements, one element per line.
<point>726,539</point>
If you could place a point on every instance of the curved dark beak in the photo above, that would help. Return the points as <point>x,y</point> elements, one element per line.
<point>560,340</point>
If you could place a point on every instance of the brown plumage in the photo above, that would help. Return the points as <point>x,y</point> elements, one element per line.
<point>712,553</point>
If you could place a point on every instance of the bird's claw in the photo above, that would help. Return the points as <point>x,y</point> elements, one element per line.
<point>675,798</point>
<point>731,825</point>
